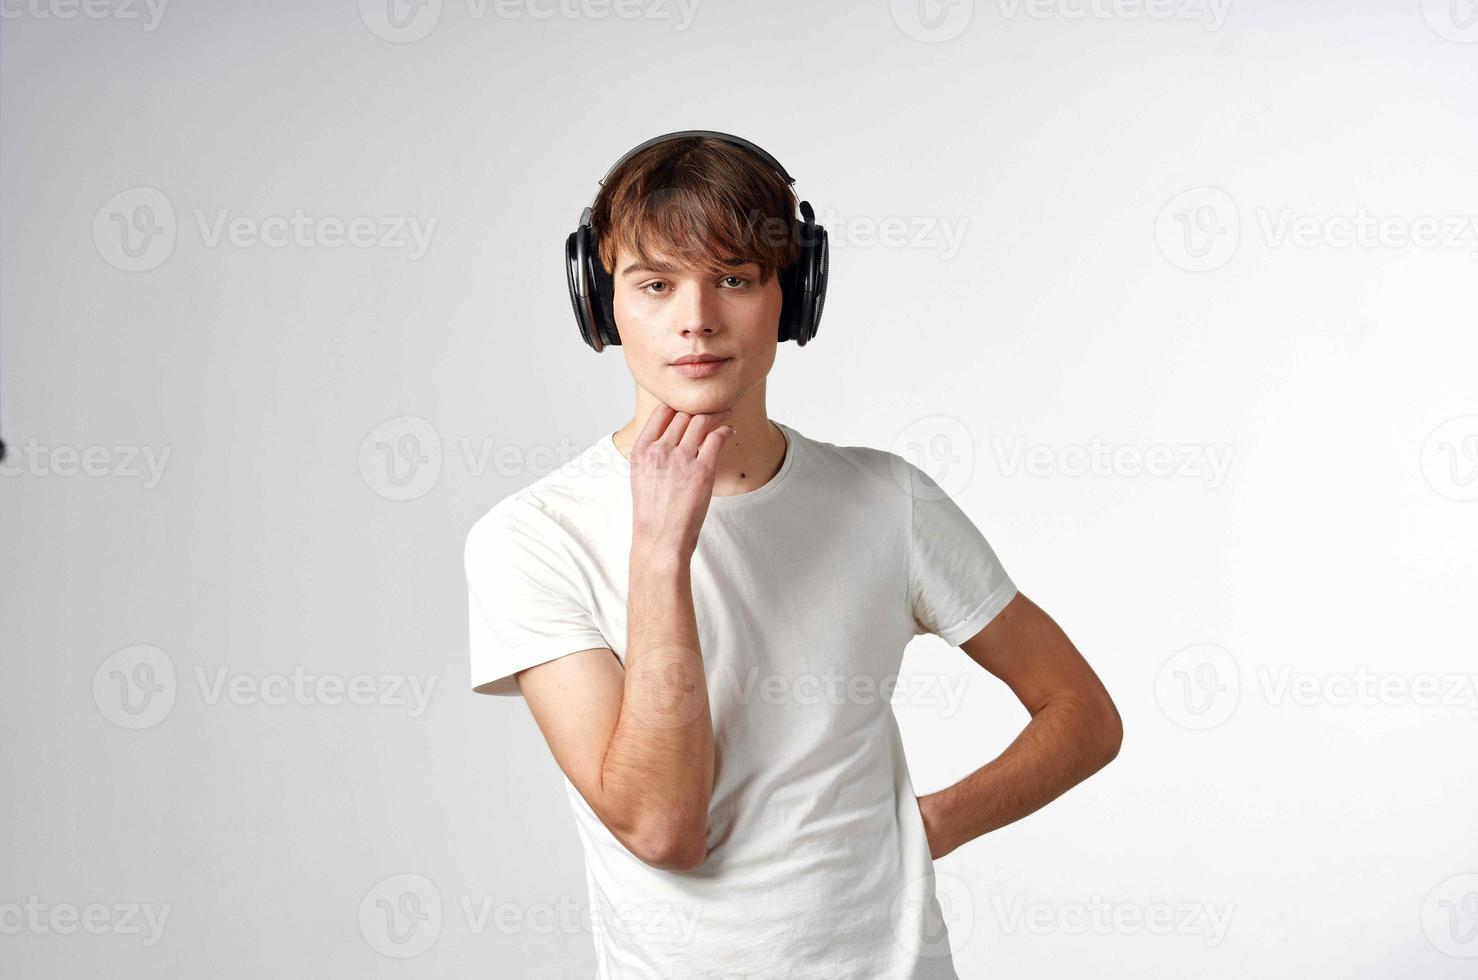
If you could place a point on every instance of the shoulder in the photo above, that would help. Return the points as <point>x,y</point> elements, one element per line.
<point>880,470</point>
<point>499,522</point>
<point>553,505</point>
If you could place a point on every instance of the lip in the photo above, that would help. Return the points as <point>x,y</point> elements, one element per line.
<point>699,365</point>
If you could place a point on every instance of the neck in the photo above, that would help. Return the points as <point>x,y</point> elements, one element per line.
<point>750,458</point>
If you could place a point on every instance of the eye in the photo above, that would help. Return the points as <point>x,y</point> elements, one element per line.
<point>654,282</point>
<point>742,282</point>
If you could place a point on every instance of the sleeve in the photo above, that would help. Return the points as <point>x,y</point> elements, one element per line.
<point>956,584</point>
<point>525,606</point>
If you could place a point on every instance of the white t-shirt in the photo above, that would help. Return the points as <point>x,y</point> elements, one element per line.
<point>806,591</point>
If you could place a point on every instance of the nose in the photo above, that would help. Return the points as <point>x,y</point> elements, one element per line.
<point>697,312</point>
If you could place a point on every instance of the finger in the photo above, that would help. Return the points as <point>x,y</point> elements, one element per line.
<point>708,452</point>
<point>656,422</point>
<point>699,428</point>
<point>673,434</point>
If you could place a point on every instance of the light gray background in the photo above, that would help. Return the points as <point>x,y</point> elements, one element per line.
<point>1128,273</point>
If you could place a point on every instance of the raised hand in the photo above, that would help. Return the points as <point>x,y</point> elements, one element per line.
<point>673,464</point>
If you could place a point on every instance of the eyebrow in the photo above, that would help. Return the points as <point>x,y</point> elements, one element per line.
<point>637,267</point>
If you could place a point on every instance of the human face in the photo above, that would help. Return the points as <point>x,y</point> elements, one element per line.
<point>668,310</point>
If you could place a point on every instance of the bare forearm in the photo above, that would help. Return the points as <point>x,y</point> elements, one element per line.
<point>1065,742</point>
<point>660,761</point>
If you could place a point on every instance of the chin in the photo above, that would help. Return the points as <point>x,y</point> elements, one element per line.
<point>702,406</point>
<point>698,402</point>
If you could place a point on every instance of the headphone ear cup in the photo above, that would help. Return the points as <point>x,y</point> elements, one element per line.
<point>806,286</point>
<point>802,308</point>
<point>823,260</point>
<point>603,297</point>
<point>790,302</point>
<point>590,288</point>
<point>574,258</point>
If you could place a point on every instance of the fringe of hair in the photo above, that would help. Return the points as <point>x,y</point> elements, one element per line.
<point>701,203</point>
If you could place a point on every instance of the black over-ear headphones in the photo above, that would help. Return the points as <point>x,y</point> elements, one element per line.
<point>803,283</point>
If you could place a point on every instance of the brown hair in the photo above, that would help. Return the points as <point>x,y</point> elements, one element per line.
<point>698,200</point>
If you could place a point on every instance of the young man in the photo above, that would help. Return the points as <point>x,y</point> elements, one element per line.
<point>705,610</point>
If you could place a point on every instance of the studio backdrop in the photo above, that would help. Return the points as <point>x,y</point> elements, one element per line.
<point>1176,299</point>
